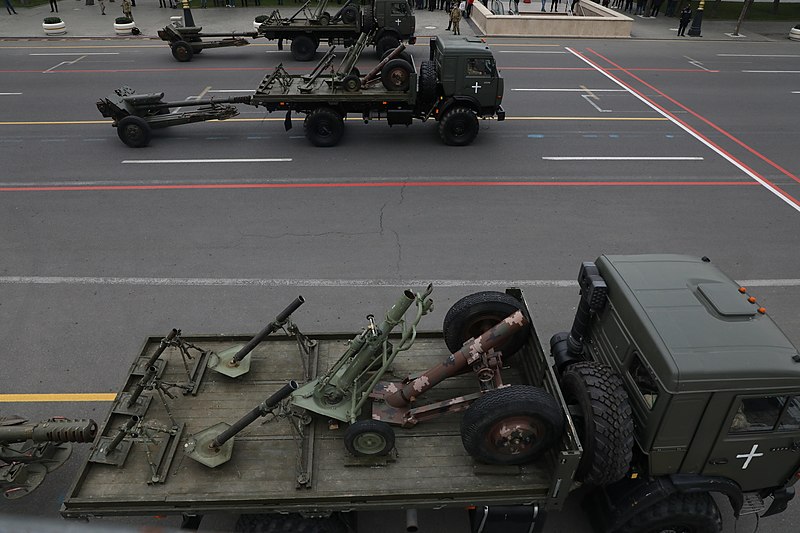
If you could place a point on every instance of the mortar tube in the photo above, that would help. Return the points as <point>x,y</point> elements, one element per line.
<point>412,525</point>
<point>270,328</point>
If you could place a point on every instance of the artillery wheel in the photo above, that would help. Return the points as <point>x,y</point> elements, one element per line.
<point>427,85</point>
<point>304,48</point>
<point>134,131</point>
<point>182,51</point>
<point>294,523</point>
<point>512,425</point>
<point>458,127</point>
<point>603,419</point>
<point>369,438</point>
<point>477,313</point>
<point>387,42</point>
<point>396,75</point>
<point>324,19</point>
<point>351,83</point>
<point>680,513</point>
<point>324,126</point>
<point>402,55</point>
<point>349,14</point>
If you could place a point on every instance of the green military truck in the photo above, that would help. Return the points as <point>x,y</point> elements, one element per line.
<point>672,384</point>
<point>389,22</point>
<point>456,87</point>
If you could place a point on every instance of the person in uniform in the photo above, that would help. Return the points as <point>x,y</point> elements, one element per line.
<point>686,16</point>
<point>126,8</point>
<point>455,18</point>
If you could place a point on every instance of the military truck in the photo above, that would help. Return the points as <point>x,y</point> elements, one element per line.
<point>672,384</point>
<point>456,87</point>
<point>388,22</point>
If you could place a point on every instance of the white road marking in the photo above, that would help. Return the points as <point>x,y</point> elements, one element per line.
<point>79,54</point>
<point>63,63</point>
<point>530,52</point>
<point>772,71</point>
<point>193,98</point>
<point>589,98</point>
<point>695,63</point>
<point>573,90</point>
<point>621,158</point>
<point>9,94</point>
<point>231,91</point>
<point>289,282</point>
<point>697,136</point>
<point>758,55</point>
<point>157,161</point>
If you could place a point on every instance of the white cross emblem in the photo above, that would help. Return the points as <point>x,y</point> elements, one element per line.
<point>398,21</point>
<point>477,86</point>
<point>749,456</point>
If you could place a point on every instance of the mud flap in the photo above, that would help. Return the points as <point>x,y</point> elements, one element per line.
<point>287,122</point>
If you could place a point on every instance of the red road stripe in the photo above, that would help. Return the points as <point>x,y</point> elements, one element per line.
<point>705,120</point>
<point>196,186</point>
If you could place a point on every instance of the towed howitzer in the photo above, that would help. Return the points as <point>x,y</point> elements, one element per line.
<point>28,452</point>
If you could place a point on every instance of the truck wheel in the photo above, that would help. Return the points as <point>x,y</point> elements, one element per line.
<point>426,92</point>
<point>458,127</point>
<point>134,131</point>
<point>402,55</point>
<point>304,48</point>
<point>396,75</point>
<point>349,14</point>
<point>683,513</point>
<point>369,438</point>
<point>284,523</point>
<point>182,51</point>
<point>512,426</point>
<point>477,313</point>
<point>603,419</point>
<point>387,42</point>
<point>324,127</point>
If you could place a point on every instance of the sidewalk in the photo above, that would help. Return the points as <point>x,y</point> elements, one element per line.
<point>85,21</point>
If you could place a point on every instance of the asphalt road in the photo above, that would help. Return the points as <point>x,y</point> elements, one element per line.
<point>609,147</point>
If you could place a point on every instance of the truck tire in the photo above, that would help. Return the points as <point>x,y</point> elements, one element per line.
<point>304,48</point>
<point>367,18</point>
<point>324,127</point>
<point>458,127</point>
<point>512,426</point>
<point>288,523</point>
<point>182,51</point>
<point>603,420</point>
<point>134,131</point>
<point>396,75</point>
<point>387,42</point>
<point>426,91</point>
<point>687,513</point>
<point>477,313</point>
<point>349,14</point>
<point>369,438</point>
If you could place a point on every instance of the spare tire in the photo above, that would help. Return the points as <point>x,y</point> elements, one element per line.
<point>396,75</point>
<point>405,55</point>
<point>477,313</point>
<point>426,90</point>
<point>599,404</point>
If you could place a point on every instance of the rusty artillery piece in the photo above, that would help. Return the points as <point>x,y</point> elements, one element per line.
<point>28,452</point>
<point>503,424</point>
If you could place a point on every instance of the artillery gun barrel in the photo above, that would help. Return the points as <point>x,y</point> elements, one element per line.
<point>268,330</point>
<point>197,103</point>
<point>150,369</point>
<point>82,430</point>
<point>459,360</point>
<point>260,410</point>
<point>374,72</point>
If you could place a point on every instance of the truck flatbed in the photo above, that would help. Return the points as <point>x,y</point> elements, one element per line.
<point>274,469</point>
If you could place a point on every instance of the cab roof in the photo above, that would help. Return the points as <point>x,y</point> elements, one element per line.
<point>695,328</point>
<point>472,46</point>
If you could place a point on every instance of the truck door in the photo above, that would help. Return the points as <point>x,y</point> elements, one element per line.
<point>481,81</point>
<point>397,15</point>
<point>759,445</point>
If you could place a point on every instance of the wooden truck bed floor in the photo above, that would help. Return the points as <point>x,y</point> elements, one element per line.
<point>431,467</point>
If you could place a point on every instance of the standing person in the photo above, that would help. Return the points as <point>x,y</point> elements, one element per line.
<point>162,3</point>
<point>554,5</point>
<point>102,6</point>
<point>516,3</point>
<point>53,6</point>
<point>10,8</point>
<point>449,15</point>
<point>628,6</point>
<point>455,18</point>
<point>126,8</point>
<point>572,7</point>
<point>468,12</point>
<point>686,16</point>
<point>640,7</point>
<point>656,8</point>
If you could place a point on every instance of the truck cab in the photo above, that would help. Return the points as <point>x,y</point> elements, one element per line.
<point>396,15</point>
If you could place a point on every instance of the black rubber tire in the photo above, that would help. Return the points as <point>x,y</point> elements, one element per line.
<point>182,51</point>
<point>349,14</point>
<point>534,415</point>
<point>304,48</point>
<point>324,127</point>
<point>289,523</point>
<point>426,90</point>
<point>135,31</point>
<point>134,131</point>
<point>680,513</point>
<point>458,127</point>
<point>404,55</point>
<point>602,414</point>
<point>387,42</point>
<point>369,438</point>
<point>396,75</point>
<point>476,313</point>
<point>351,83</point>
<point>367,19</point>
<point>324,19</point>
